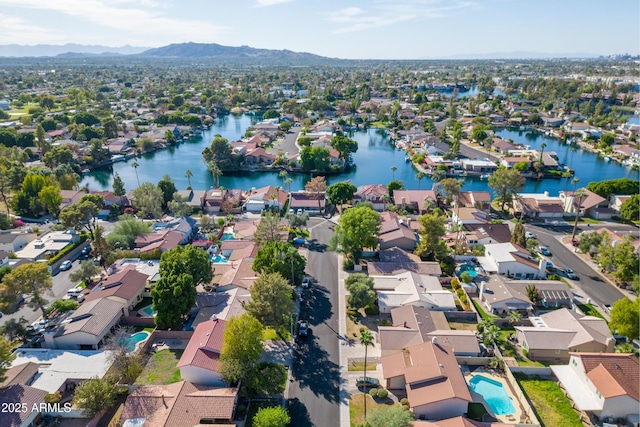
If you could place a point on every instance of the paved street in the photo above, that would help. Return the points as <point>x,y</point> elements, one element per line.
<point>314,392</point>
<point>591,282</point>
<point>288,145</point>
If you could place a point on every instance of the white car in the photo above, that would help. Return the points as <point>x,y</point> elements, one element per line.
<point>305,282</point>
<point>65,265</point>
<point>529,235</point>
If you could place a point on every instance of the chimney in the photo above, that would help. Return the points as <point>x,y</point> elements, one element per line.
<point>163,401</point>
<point>434,340</point>
<point>482,285</point>
<point>404,325</point>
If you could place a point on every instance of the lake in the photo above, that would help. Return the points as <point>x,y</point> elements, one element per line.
<point>374,159</point>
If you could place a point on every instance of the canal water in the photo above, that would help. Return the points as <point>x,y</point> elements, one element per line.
<point>373,160</point>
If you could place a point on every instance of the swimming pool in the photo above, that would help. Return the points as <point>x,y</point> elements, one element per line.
<point>227,236</point>
<point>218,259</point>
<point>149,311</point>
<point>494,394</point>
<point>469,269</point>
<point>134,339</point>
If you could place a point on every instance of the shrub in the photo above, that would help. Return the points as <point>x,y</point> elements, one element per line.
<point>455,283</point>
<point>372,310</point>
<point>385,322</point>
<point>65,305</point>
<point>123,391</point>
<point>383,394</point>
<point>53,397</point>
<point>404,401</point>
<point>406,407</point>
<point>347,264</point>
<point>373,392</point>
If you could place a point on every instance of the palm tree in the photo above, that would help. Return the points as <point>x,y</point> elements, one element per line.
<point>288,181</point>
<point>580,195</point>
<point>514,317</point>
<point>384,199</point>
<point>366,339</point>
<point>215,172</point>
<point>188,174</point>
<point>283,174</point>
<point>533,294</point>
<point>393,173</point>
<point>135,166</point>
<point>544,145</point>
<point>419,177</point>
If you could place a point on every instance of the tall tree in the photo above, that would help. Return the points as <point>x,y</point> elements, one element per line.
<point>450,188</point>
<point>393,172</point>
<point>518,235</point>
<point>625,318</point>
<point>189,260</point>
<point>85,272</point>
<point>317,187</point>
<point>118,185</point>
<point>340,193</point>
<point>179,206</point>
<point>358,228</point>
<point>31,280</point>
<point>419,177</point>
<point>271,300</point>
<point>361,293</point>
<point>578,198</point>
<point>168,189</point>
<point>135,165</point>
<point>506,183</point>
<point>6,357</point>
<point>94,395</point>
<point>148,199</point>
<point>188,174</point>
<point>101,247</point>
<point>242,347</point>
<point>269,229</point>
<point>51,199</point>
<point>433,228</point>
<point>276,416</point>
<point>280,257</point>
<point>215,172</point>
<point>344,145</point>
<point>173,296</point>
<point>110,128</point>
<point>366,339</point>
<point>125,232</point>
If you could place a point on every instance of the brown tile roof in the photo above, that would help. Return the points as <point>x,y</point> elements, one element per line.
<point>591,199</point>
<point>269,191</point>
<point>430,371</point>
<point>20,374</point>
<point>205,346</point>
<point>180,404</point>
<point>498,232</point>
<point>416,197</point>
<point>390,268</point>
<point>473,198</point>
<point>419,318</point>
<point>19,393</point>
<point>165,240</point>
<point>91,317</point>
<point>396,254</point>
<point>613,374</point>
<point>240,274</point>
<point>305,200</point>
<point>124,284</point>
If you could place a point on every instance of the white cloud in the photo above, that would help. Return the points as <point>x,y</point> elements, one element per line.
<point>388,12</point>
<point>265,3</point>
<point>25,32</point>
<point>127,17</point>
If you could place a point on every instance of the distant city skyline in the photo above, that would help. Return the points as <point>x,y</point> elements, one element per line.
<point>352,29</point>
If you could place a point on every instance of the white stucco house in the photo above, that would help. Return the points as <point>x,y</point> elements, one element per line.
<point>514,261</point>
<point>412,288</point>
<point>200,362</point>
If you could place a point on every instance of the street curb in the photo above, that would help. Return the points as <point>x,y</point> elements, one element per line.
<point>345,417</point>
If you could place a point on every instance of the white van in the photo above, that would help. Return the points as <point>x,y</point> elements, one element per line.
<point>74,292</point>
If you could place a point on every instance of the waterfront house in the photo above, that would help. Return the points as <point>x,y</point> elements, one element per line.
<point>266,197</point>
<point>395,233</point>
<point>462,216</point>
<point>552,122</point>
<point>479,165</point>
<point>125,287</point>
<point>430,375</point>
<point>512,260</point>
<point>606,385</point>
<point>184,225</point>
<point>215,198</point>
<point>485,234</point>
<point>307,202</point>
<point>414,199</point>
<point>502,146</point>
<point>200,362</point>
<point>617,200</point>
<point>373,193</point>
<point>590,205</point>
<point>259,156</point>
<point>163,241</point>
<point>474,199</point>
<point>48,245</point>
<point>412,288</point>
<point>510,162</point>
<point>70,197</point>
<point>537,205</point>
<point>179,404</point>
<point>86,327</point>
<point>14,240</point>
<point>193,198</point>
<point>556,334</point>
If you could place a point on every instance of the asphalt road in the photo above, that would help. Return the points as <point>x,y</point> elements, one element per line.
<point>288,145</point>
<point>591,282</point>
<point>314,390</point>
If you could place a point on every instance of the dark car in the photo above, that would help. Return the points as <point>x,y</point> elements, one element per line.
<point>570,274</point>
<point>367,382</point>
<point>303,328</point>
<point>545,251</point>
<point>86,250</point>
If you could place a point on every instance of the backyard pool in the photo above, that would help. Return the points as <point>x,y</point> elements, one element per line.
<point>469,269</point>
<point>494,394</point>
<point>149,311</point>
<point>218,259</point>
<point>134,339</point>
<point>227,236</point>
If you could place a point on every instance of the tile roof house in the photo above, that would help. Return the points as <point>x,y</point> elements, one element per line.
<point>306,201</point>
<point>200,362</point>
<point>194,198</point>
<point>592,205</point>
<point>184,225</point>
<point>556,334</point>
<point>178,405</point>
<point>607,385</point>
<point>14,240</point>
<point>395,233</point>
<point>539,205</point>
<point>414,199</point>
<point>48,244</point>
<point>474,199</point>
<point>462,216</point>
<point>395,260</point>
<point>223,305</point>
<point>164,241</point>
<point>411,288</point>
<point>70,197</point>
<point>432,379</point>
<point>261,198</point>
<point>214,199</point>
<point>125,287</point>
<point>23,395</point>
<point>259,155</point>
<point>372,193</point>
<point>86,327</point>
<point>511,260</point>
<point>485,234</point>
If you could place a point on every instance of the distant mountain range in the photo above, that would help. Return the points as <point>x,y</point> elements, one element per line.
<point>20,51</point>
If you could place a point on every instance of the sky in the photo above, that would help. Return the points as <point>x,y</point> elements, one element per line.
<point>349,29</point>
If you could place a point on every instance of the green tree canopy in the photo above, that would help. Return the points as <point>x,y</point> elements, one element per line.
<point>189,260</point>
<point>269,229</point>
<point>395,416</point>
<point>148,200</point>
<point>361,293</point>
<point>518,236</point>
<point>271,300</point>
<point>394,185</point>
<point>242,347</point>
<point>179,206</point>
<point>433,228</point>
<point>614,186</point>
<point>85,272</point>
<point>280,257</point>
<point>83,214</point>
<point>344,145</point>
<point>340,193</point>
<point>357,228</point>
<point>630,209</point>
<point>6,357</point>
<point>173,296</point>
<point>168,189</point>
<point>94,395</point>
<point>625,318</point>
<point>506,183</point>
<point>126,230</point>
<point>315,158</point>
<point>268,378</point>
<point>276,416</point>
<point>31,280</point>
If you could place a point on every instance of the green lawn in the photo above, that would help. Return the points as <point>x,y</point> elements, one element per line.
<point>359,366</point>
<point>590,310</point>
<point>356,407</point>
<point>161,368</point>
<point>551,405</point>
<point>582,220</point>
<point>481,312</point>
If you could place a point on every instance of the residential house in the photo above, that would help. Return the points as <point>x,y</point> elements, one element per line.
<point>180,404</point>
<point>236,274</point>
<point>617,200</point>
<point>412,288</point>
<point>502,146</point>
<point>221,305</point>
<point>539,205</point>
<point>14,240</point>
<point>591,204</point>
<point>395,233</point>
<point>70,197</point>
<point>606,385</point>
<point>430,375</point>
<point>216,197</point>
<point>86,327</point>
<point>486,234</point>
<point>184,225</point>
<point>200,362</point>
<point>163,241</point>
<point>479,166</point>
<point>22,397</point>
<point>125,287</point>
<point>395,260</point>
<point>474,199</point>
<point>556,334</point>
<point>48,245</point>
<point>510,162</point>
<point>511,260</point>
<point>500,295</point>
<point>193,198</point>
<point>376,194</point>
<point>307,201</point>
<point>266,197</point>
<point>416,200</point>
<point>259,156</point>
<point>552,122</point>
<point>463,216</point>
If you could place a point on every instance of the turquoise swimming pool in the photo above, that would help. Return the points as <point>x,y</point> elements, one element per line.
<point>469,269</point>
<point>494,394</point>
<point>227,236</point>
<point>149,311</point>
<point>134,339</point>
<point>218,259</point>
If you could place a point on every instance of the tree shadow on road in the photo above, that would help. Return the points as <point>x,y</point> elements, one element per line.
<point>316,307</point>
<point>299,413</point>
<point>314,370</point>
<point>314,246</point>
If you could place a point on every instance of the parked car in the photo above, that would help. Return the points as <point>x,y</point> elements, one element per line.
<point>367,382</point>
<point>86,250</point>
<point>570,274</point>
<point>300,212</point>
<point>545,251</point>
<point>303,328</point>
<point>74,292</point>
<point>305,282</point>
<point>529,235</point>
<point>549,265</point>
<point>65,265</point>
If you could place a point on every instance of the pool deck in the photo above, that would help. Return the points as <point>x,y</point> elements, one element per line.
<point>506,419</point>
